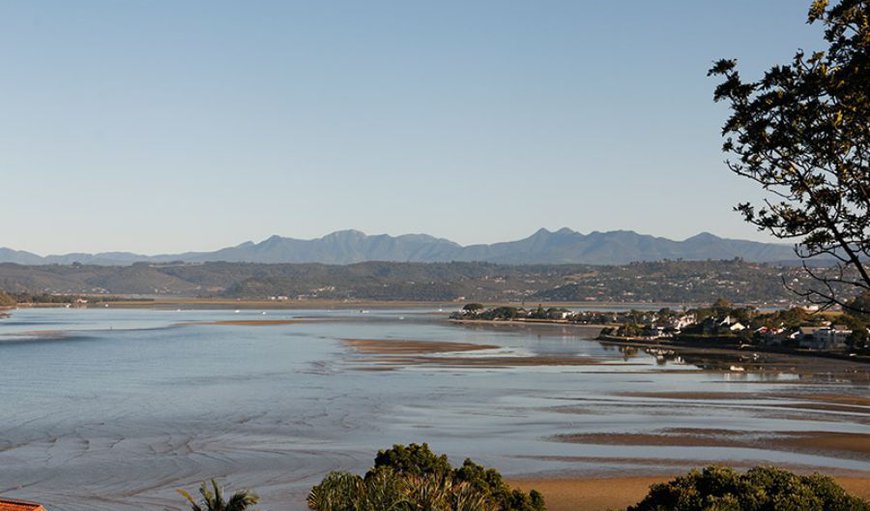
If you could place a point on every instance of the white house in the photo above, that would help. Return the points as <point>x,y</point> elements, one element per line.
<point>824,338</point>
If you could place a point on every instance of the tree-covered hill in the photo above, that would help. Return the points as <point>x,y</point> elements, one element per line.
<point>666,281</point>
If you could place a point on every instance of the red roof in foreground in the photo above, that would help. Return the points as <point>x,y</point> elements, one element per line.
<point>19,505</point>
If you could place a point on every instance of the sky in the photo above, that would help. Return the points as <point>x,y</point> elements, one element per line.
<point>168,126</point>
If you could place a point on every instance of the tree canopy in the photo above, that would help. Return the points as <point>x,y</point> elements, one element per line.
<point>802,133</point>
<point>761,488</point>
<point>408,478</point>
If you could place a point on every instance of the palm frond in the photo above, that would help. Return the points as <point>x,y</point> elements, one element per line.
<point>241,500</point>
<point>193,505</point>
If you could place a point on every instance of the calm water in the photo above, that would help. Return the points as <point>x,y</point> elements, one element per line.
<point>115,409</point>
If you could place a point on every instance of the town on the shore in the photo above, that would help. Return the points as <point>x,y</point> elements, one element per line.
<point>720,324</point>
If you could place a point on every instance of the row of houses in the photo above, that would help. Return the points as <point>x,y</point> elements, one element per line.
<point>827,337</point>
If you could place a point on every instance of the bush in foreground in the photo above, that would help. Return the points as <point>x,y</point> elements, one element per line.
<point>412,477</point>
<point>759,489</point>
<point>213,499</point>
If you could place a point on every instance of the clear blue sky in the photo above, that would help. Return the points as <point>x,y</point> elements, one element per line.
<point>165,126</point>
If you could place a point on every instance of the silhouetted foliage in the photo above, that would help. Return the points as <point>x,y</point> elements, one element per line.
<point>802,133</point>
<point>473,307</point>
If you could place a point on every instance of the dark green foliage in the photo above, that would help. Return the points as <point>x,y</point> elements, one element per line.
<point>717,488</point>
<point>415,459</point>
<point>411,478</point>
<point>802,134</point>
<point>501,313</point>
<point>213,500</point>
<point>488,481</point>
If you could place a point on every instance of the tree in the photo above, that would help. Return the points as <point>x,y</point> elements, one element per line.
<point>415,459</point>
<point>802,133</point>
<point>412,478</point>
<point>860,307</point>
<point>213,499</point>
<point>761,488</point>
<point>473,307</point>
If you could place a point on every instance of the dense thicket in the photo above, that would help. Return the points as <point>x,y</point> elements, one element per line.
<point>410,478</point>
<point>759,489</point>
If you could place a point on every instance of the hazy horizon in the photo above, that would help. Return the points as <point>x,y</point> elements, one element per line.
<point>166,127</point>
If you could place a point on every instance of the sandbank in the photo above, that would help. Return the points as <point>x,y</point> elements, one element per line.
<point>413,352</point>
<point>815,442</point>
<point>410,347</point>
<point>247,322</point>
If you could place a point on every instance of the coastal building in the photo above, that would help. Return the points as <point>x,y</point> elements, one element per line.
<point>19,505</point>
<point>772,336</point>
<point>722,326</point>
<point>684,321</point>
<point>824,338</point>
<point>737,327</point>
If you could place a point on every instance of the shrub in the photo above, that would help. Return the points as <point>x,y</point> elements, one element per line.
<point>410,478</point>
<point>717,488</point>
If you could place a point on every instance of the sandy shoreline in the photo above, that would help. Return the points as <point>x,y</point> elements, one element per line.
<point>602,494</point>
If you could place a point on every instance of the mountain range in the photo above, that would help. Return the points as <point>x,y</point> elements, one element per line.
<point>564,246</point>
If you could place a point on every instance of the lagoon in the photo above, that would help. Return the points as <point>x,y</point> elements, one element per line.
<point>116,408</point>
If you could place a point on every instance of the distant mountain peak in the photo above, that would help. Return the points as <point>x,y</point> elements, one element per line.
<point>346,233</point>
<point>704,236</point>
<point>564,246</point>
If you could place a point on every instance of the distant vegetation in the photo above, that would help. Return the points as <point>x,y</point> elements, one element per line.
<point>6,300</point>
<point>410,478</point>
<point>82,299</point>
<point>666,281</point>
<point>759,489</point>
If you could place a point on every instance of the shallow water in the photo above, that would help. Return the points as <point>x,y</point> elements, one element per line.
<point>115,409</point>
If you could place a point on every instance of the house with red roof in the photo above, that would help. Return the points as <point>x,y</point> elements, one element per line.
<point>19,505</point>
